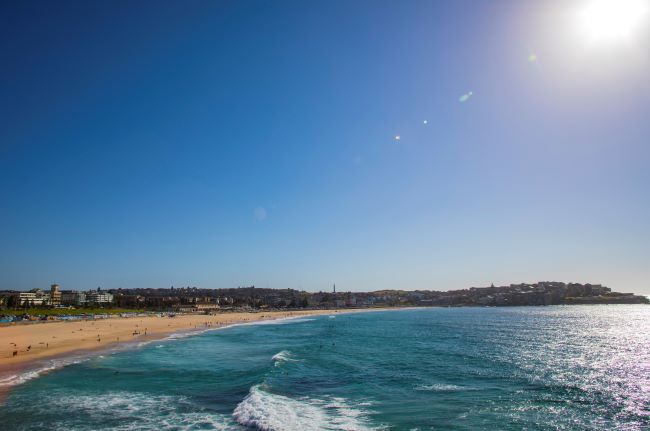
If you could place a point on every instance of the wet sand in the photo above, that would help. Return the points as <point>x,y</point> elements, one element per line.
<point>22,344</point>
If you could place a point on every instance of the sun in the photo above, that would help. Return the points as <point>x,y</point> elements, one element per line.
<point>612,20</point>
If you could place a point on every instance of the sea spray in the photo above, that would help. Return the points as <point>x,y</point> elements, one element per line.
<point>266,411</point>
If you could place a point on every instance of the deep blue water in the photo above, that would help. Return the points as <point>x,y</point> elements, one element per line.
<point>533,368</point>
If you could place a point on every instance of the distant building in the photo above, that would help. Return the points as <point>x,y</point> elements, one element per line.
<point>55,295</point>
<point>27,299</point>
<point>73,297</point>
<point>99,297</point>
<point>34,297</point>
<point>206,306</point>
<point>195,308</point>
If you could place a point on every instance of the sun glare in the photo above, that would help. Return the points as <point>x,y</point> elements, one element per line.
<point>612,20</point>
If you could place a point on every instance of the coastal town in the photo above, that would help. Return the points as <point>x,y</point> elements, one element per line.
<point>207,301</point>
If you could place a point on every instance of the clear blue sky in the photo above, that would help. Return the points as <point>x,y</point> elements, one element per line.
<point>226,143</point>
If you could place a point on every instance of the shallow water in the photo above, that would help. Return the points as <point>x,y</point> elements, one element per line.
<point>535,368</point>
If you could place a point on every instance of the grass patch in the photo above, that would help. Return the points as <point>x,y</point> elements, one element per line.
<point>67,311</point>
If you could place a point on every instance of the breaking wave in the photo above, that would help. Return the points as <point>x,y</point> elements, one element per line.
<point>42,368</point>
<point>51,365</point>
<point>130,410</point>
<point>271,412</point>
<point>283,356</point>
<point>280,321</point>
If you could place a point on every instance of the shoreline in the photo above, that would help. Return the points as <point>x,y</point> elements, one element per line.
<point>70,348</point>
<point>70,344</point>
<point>39,341</point>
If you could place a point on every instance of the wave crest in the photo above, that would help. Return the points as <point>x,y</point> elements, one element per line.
<point>271,412</point>
<point>42,368</point>
<point>132,410</point>
<point>283,356</point>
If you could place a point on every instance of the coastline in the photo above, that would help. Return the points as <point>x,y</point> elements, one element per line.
<point>340,371</point>
<point>47,346</point>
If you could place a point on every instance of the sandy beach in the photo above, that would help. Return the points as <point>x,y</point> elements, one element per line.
<point>22,344</point>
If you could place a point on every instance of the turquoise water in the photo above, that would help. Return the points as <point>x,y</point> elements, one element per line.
<point>535,368</point>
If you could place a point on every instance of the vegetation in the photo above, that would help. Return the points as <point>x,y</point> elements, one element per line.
<point>66,311</point>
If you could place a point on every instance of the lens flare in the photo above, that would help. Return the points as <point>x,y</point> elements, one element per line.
<point>465,97</point>
<point>260,213</point>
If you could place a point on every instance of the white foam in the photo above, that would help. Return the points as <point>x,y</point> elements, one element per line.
<point>50,365</point>
<point>439,387</point>
<point>283,356</point>
<point>271,412</point>
<point>42,368</point>
<point>189,333</point>
<point>141,411</point>
<point>281,321</point>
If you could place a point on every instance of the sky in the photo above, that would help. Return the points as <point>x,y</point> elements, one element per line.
<point>228,143</point>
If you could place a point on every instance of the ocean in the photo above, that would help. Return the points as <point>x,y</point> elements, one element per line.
<point>520,368</point>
